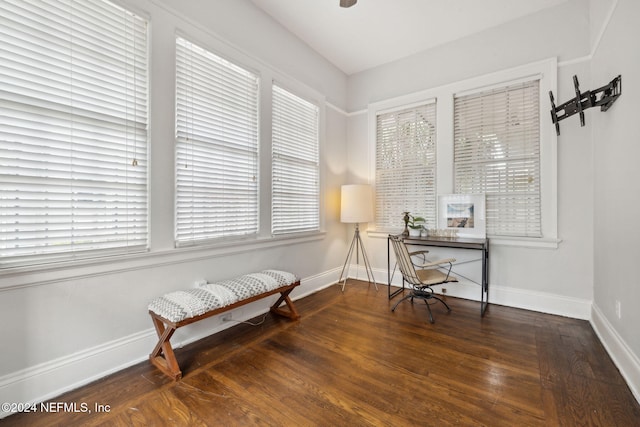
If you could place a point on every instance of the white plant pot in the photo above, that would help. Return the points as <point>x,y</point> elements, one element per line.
<point>413,232</point>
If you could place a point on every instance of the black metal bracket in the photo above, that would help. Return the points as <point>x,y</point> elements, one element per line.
<point>602,97</point>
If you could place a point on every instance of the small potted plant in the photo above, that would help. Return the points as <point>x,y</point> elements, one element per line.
<point>415,224</point>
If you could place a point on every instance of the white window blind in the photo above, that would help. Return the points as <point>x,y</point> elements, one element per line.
<point>217,147</point>
<point>73,130</point>
<point>497,152</point>
<point>406,166</point>
<point>295,164</point>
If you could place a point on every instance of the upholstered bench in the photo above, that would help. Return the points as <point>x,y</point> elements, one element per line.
<point>181,308</point>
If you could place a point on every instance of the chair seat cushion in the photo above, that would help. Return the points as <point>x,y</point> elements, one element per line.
<point>433,277</point>
<point>179,305</point>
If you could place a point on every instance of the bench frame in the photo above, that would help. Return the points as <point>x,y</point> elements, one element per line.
<point>163,356</point>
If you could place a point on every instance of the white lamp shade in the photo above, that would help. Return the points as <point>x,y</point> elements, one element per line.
<point>356,204</point>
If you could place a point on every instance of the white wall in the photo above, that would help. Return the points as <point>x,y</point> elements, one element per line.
<point>552,280</point>
<point>67,325</point>
<point>616,147</point>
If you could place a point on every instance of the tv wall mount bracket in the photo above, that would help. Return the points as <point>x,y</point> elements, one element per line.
<point>603,97</point>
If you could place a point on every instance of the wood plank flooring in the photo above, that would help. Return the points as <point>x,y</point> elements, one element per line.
<point>349,361</point>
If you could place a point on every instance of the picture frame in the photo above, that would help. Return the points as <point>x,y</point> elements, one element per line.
<point>464,213</point>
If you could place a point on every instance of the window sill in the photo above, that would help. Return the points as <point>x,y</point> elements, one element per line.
<point>526,242</point>
<point>522,242</point>
<point>37,275</point>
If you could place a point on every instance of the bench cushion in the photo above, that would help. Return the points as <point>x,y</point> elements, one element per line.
<point>180,305</point>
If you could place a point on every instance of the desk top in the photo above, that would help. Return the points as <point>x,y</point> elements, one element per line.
<point>452,242</point>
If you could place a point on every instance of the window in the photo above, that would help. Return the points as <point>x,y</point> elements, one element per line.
<point>493,136</point>
<point>497,152</point>
<point>406,166</point>
<point>295,164</point>
<point>216,147</point>
<point>73,131</point>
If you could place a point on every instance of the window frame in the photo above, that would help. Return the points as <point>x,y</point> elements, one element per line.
<point>263,237</point>
<point>104,120</point>
<point>430,214</point>
<point>318,188</point>
<point>493,154</point>
<point>546,71</point>
<point>215,139</point>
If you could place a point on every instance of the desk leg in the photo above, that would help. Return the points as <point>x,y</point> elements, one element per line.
<point>484,297</point>
<point>396,292</point>
<point>388,270</point>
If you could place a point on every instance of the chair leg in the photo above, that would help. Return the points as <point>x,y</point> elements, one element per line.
<point>445,304</point>
<point>426,301</point>
<point>429,306</point>
<point>402,299</point>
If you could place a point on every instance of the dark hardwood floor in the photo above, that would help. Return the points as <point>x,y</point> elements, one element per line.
<point>350,361</point>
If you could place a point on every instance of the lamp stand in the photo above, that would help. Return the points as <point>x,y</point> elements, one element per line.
<point>357,243</point>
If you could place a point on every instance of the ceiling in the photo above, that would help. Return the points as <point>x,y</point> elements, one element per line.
<point>375,32</point>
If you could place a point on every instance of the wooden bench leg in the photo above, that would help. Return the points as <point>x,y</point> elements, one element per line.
<point>162,355</point>
<point>284,297</point>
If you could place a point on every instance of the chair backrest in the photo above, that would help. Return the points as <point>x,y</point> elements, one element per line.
<point>403,259</point>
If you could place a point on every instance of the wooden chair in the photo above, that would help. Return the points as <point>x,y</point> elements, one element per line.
<point>421,279</point>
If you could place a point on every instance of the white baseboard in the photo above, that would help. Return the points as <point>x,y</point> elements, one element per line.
<point>542,302</point>
<point>315,283</point>
<point>50,379</point>
<point>625,360</point>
